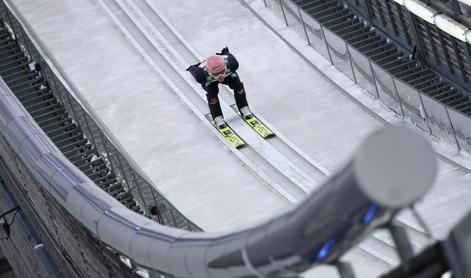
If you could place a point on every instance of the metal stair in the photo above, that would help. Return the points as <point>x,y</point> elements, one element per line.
<point>33,92</point>
<point>336,16</point>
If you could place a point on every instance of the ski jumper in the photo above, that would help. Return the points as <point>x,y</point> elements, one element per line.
<point>210,84</point>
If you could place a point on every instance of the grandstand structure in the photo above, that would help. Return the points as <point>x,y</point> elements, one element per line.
<point>413,55</point>
<point>85,209</point>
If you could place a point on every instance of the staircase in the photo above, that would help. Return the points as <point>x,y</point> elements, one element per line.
<point>32,90</point>
<point>337,17</point>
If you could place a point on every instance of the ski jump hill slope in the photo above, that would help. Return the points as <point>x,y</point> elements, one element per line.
<point>128,60</point>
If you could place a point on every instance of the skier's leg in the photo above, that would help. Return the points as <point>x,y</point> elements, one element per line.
<point>239,91</point>
<point>239,94</point>
<point>212,92</point>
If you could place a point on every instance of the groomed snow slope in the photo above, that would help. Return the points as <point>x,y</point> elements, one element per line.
<point>197,173</point>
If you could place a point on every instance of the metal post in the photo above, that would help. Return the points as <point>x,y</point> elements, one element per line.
<point>421,221</point>
<point>401,240</point>
<point>109,159</point>
<point>126,181</point>
<point>351,63</point>
<point>452,128</point>
<point>374,79</point>
<point>327,45</point>
<point>425,112</point>
<point>265,2</point>
<point>304,27</point>
<point>415,33</point>
<point>160,217</point>
<point>398,97</point>
<point>283,11</point>
<point>173,216</point>
<point>345,269</point>
<point>73,111</point>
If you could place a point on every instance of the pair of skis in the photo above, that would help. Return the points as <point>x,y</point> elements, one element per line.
<point>234,139</point>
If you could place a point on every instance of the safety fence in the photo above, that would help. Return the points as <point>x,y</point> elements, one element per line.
<point>138,240</point>
<point>84,218</point>
<point>424,111</point>
<point>73,215</point>
<point>441,38</point>
<point>127,172</point>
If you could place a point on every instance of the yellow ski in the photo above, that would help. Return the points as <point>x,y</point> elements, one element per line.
<point>229,134</point>
<point>256,124</point>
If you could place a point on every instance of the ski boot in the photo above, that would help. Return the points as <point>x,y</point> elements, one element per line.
<point>219,122</point>
<point>246,113</point>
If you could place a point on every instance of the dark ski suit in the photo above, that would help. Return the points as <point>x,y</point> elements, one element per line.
<point>210,84</point>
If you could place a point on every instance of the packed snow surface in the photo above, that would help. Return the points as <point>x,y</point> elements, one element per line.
<point>197,173</point>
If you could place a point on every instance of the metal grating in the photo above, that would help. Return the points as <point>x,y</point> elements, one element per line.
<point>358,33</point>
<point>33,92</point>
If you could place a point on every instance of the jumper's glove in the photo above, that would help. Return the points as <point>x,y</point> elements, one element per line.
<point>224,51</point>
<point>195,65</point>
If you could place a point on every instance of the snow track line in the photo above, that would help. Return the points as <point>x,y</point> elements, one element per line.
<point>286,196</point>
<point>294,182</point>
<point>278,160</point>
<point>193,54</point>
<point>284,176</point>
<point>161,45</point>
<point>247,158</point>
<point>328,78</point>
<point>417,236</point>
<point>379,238</point>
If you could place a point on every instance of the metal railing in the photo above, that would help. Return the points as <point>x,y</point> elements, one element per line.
<point>195,254</point>
<point>437,48</point>
<point>126,170</point>
<point>425,112</point>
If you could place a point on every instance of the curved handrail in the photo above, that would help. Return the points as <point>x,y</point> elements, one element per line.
<point>90,117</point>
<point>346,208</point>
<point>364,194</point>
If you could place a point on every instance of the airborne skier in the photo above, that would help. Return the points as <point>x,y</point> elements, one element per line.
<point>220,68</point>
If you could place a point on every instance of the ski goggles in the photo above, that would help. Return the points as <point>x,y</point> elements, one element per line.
<point>219,74</point>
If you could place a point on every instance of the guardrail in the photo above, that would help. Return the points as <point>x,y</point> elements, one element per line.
<point>126,170</point>
<point>105,217</point>
<point>439,37</point>
<point>347,208</point>
<point>427,113</point>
